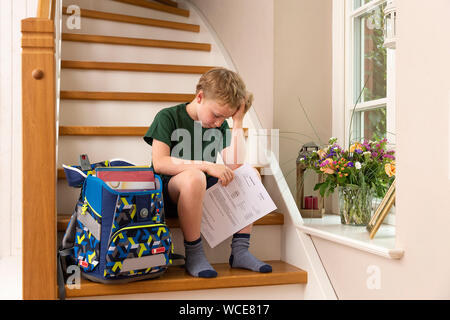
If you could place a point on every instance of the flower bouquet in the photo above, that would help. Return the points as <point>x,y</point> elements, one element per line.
<point>364,170</point>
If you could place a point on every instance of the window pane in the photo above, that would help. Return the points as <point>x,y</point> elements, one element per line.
<point>370,56</point>
<point>370,125</point>
<point>359,3</point>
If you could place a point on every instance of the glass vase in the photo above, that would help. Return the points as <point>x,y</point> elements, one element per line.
<point>355,205</point>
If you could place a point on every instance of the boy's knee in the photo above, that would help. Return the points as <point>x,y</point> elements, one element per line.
<point>194,179</point>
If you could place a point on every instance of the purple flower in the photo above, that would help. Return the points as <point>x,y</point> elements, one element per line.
<point>350,164</point>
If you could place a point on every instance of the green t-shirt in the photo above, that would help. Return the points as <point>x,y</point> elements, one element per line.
<point>186,138</point>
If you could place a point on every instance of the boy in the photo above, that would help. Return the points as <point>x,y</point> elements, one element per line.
<point>188,171</point>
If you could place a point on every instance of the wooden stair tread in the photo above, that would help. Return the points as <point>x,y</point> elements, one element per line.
<point>136,42</point>
<point>177,279</point>
<point>125,66</point>
<point>273,218</point>
<point>168,2</point>
<point>108,131</point>
<point>157,6</point>
<point>62,175</point>
<point>93,14</point>
<point>126,96</point>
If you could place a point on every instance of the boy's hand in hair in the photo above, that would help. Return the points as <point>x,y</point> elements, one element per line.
<point>243,108</point>
<point>238,116</point>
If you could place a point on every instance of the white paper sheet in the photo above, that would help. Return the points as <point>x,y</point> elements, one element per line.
<point>227,210</point>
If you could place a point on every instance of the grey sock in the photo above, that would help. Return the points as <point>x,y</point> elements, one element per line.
<point>196,263</point>
<point>242,258</point>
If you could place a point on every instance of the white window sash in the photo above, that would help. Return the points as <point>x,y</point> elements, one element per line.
<point>369,105</point>
<point>353,13</point>
<point>343,70</point>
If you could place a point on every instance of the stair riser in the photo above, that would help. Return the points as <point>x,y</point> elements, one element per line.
<point>131,30</point>
<point>100,148</point>
<point>127,81</point>
<point>289,292</point>
<point>72,50</point>
<point>265,243</point>
<point>133,149</point>
<point>123,8</point>
<point>115,113</point>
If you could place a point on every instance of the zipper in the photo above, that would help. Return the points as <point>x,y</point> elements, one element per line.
<point>84,208</point>
<point>115,235</point>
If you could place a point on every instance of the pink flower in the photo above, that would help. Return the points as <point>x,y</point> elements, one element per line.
<point>327,166</point>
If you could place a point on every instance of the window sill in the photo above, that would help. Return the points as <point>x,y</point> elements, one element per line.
<point>330,228</point>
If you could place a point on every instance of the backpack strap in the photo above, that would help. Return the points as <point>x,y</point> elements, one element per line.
<point>62,265</point>
<point>177,257</point>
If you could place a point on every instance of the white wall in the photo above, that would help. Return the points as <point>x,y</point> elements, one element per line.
<point>423,170</point>
<point>11,13</point>
<point>246,30</point>
<point>302,65</point>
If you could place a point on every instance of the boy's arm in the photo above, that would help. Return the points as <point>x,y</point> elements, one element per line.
<point>234,155</point>
<point>163,163</point>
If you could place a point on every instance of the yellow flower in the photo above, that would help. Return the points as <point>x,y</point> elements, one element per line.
<point>389,168</point>
<point>355,146</point>
<point>321,153</point>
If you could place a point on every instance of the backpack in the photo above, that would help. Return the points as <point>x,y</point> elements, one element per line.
<point>115,236</point>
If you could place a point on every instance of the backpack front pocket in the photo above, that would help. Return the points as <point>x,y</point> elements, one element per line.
<point>138,250</point>
<point>86,247</point>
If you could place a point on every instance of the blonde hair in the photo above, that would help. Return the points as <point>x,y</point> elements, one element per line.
<point>225,86</point>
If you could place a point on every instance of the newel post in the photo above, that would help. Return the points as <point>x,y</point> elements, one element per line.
<point>39,159</point>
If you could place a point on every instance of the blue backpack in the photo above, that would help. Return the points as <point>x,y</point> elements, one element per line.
<point>115,235</point>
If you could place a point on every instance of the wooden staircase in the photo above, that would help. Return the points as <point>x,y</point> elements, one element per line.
<point>176,279</point>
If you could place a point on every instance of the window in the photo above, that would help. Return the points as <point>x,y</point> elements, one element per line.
<point>363,75</point>
<point>369,66</point>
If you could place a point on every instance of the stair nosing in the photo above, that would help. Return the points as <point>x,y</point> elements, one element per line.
<point>271,219</point>
<point>125,96</point>
<point>157,7</point>
<point>134,131</point>
<point>227,278</point>
<point>138,67</point>
<point>168,3</point>
<point>112,16</point>
<point>62,176</point>
<point>139,42</point>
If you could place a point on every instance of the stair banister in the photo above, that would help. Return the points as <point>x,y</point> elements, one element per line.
<point>39,105</point>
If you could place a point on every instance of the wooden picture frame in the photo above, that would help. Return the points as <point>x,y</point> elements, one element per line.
<point>382,211</point>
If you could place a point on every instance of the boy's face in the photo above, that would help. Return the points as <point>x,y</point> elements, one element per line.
<point>212,113</point>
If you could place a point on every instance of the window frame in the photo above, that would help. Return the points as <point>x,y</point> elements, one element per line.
<point>388,101</point>
<point>343,16</point>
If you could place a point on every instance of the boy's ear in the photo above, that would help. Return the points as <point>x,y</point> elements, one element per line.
<point>200,96</point>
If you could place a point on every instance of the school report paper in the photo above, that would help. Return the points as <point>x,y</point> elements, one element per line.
<point>227,210</point>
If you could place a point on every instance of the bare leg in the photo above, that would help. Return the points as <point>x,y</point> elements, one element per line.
<point>187,190</point>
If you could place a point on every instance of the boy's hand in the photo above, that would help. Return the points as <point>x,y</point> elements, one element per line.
<point>239,114</point>
<point>221,172</point>
<point>243,108</point>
